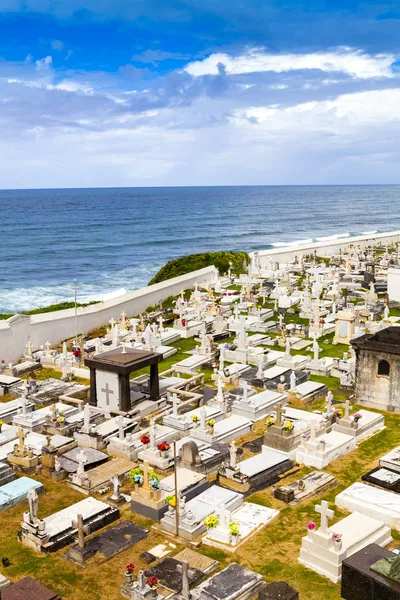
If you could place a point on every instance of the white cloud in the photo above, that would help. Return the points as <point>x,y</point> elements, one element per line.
<point>57,44</point>
<point>355,63</point>
<point>44,63</point>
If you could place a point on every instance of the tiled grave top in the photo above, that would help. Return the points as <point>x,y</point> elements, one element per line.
<point>61,521</point>
<point>261,462</point>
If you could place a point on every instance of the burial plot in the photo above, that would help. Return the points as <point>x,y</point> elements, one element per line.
<point>383,478</point>
<point>371,501</point>
<point>28,588</point>
<point>232,583</point>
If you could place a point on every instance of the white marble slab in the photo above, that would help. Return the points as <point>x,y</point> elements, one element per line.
<point>371,501</point>
<point>61,521</point>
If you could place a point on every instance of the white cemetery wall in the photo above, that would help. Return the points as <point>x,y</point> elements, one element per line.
<point>58,326</point>
<point>394,284</point>
<point>288,253</point>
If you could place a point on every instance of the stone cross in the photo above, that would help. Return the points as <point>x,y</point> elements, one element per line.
<point>329,398</point>
<point>260,371</point>
<point>313,433</point>
<point>287,348</point>
<point>23,404</point>
<point>326,513</point>
<point>82,460</point>
<point>203,417</point>
<point>316,348</point>
<point>116,484</point>
<point>33,501</point>
<point>123,320</point>
<point>245,388</point>
<point>347,408</point>
<point>175,401</point>
<point>54,412</point>
<point>146,485</point>
<point>47,346</point>
<point>232,454</point>
<point>21,435</point>
<point>121,432</point>
<point>115,336</point>
<point>112,323</point>
<point>29,347</point>
<point>141,581</point>
<point>242,337</point>
<point>279,412</point>
<point>221,359</point>
<point>81,531</point>
<point>86,417</point>
<point>185,593</point>
<point>108,392</point>
<point>152,434</point>
<point>292,381</point>
<point>160,324</point>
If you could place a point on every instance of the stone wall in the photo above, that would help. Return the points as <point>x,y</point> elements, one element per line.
<point>373,390</point>
<point>60,325</point>
<point>328,248</point>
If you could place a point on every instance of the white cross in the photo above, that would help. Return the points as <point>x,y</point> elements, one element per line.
<point>326,513</point>
<point>29,347</point>
<point>112,323</point>
<point>107,392</point>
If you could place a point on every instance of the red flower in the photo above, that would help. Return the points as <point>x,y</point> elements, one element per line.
<point>145,439</point>
<point>152,581</point>
<point>163,446</point>
<point>130,567</point>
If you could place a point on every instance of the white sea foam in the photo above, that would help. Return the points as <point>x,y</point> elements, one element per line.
<point>295,243</point>
<point>331,238</point>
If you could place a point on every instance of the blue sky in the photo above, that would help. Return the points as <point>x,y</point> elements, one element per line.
<point>125,93</point>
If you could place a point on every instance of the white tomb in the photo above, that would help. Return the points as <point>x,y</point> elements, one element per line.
<point>371,501</point>
<point>257,406</point>
<point>224,431</point>
<point>321,552</point>
<point>391,460</point>
<point>320,451</point>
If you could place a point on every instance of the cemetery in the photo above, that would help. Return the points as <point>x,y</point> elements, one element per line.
<point>238,440</point>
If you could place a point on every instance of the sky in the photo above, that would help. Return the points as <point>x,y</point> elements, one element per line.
<point>98,93</point>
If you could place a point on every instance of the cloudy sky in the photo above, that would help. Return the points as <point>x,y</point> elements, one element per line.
<point>199,92</point>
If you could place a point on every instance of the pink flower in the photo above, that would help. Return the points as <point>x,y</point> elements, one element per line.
<point>311,526</point>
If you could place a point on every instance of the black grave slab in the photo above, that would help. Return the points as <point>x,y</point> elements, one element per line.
<point>394,479</point>
<point>208,394</point>
<point>278,590</point>
<point>169,574</point>
<point>69,462</point>
<point>359,582</point>
<point>234,582</point>
<point>254,446</point>
<point>115,540</point>
<point>301,377</point>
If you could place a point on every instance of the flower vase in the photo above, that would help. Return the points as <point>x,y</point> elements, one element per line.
<point>211,430</point>
<point>128,577</point>
<point>310,533</point>
<point>171,508</point>
<point>337,544</point>
<point>164,453</point>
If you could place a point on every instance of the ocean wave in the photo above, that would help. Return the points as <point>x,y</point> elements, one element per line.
<point>329,238</point>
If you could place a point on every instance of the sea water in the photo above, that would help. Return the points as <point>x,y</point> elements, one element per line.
<point>114,240</point>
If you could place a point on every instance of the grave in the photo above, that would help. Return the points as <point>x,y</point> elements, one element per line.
<point>255,473</point>
<point>221,432</point>
<point>324,549</point>
<point>129,446</point>
<point>34,421</point>
<point>49,391</point>
<point>294,363</point>
<point>8,384</point>
<point>186,421</point>
<point>257,406</point>
<point>371,501</point>
<point>364,425</point>
<point>197,561</point>
<point>391,460</point>
<point>191,364</point>
<point>93,458</point>
<point>248,518</point>
<point>192,514</point>
<point>8,433</point>
<point>59,529</point>
<point>278,590</point>
<point>360,581</point>
<point>150,501</point>
<point>89,481</point>
<point>202,458</point>
<point>108,543</point>
<point>28,588</point>
<point>319,452</point>
<point>307,392</point>
<point>383,478</point>
<point>9,409</point>
<point>232,583</point>
<point>169,575</point>
<point>109,376</point>
<point>24,367</point>
<point>314,483</point>
<point>16,491</point>
<point>98,436</point>
<point>6,474</point>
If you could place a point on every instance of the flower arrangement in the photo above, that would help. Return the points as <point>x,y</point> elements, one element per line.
<point>270,421</point>
<point>163,446</point>
<point>234,528</point>
<point>337,537</point>
<point>152,582</point>
<point>145,439</point>
<point>171,500</point>
<point>339,412</point>
<point>136,475</point>
<point>311,526</point>
<point>211,521</point>
<point>195,418</point>
<point>287,426</point>
<point>357,417</point>
<point>61,419</point>
<point>210,423</point>
<point>154,480</point>
<point>130,567</point>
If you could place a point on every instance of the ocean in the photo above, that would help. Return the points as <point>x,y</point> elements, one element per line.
<point>114,240</point>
